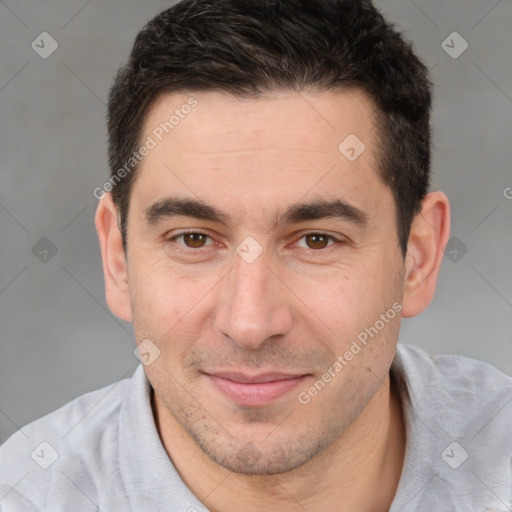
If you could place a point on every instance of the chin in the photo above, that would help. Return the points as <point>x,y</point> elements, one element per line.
<point>263,458</point>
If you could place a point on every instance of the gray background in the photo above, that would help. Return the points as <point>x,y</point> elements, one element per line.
<point>58,339</point>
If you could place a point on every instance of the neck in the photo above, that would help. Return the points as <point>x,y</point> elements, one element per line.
<point>360,470</point>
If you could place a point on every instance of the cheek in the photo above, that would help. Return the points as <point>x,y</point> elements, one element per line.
<point>158,299</point>
<point>346,301</point>
<point>171,308</point>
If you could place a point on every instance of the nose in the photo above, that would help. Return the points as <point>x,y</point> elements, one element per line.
<point>254,305</point>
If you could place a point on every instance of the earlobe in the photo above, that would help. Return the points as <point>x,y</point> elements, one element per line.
<point>113,258</point>
<point>428,237</point>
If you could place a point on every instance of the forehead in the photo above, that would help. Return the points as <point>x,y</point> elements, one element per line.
<point>308,121</point>
<point>277,147</point>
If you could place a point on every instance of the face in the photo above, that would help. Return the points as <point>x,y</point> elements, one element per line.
<point>259,256</point>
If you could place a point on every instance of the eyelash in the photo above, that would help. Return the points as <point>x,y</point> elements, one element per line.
<point>184,248</point>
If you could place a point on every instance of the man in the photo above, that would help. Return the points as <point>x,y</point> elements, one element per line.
<point>265,227</point>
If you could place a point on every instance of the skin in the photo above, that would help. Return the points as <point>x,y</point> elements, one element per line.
<point>295,309</point>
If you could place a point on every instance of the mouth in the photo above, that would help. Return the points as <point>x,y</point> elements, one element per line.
<point>254,390</point>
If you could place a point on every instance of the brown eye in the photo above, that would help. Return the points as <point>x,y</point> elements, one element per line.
<point>194,240</point>
<point>317,240</point>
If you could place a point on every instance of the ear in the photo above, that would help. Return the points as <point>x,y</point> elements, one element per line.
<point>114,261</point>
<point>429,234</point>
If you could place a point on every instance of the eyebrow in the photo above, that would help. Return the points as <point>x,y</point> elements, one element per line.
<point>319,209</point>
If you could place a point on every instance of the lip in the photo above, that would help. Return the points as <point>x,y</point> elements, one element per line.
<point>255,390</point>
